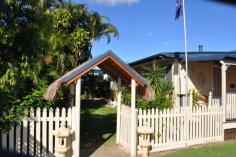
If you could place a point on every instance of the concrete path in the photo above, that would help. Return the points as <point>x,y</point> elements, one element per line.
<point>110,149</point>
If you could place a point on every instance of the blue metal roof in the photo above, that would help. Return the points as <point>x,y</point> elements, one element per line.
<point>192,56</point>
<point>90,63</point>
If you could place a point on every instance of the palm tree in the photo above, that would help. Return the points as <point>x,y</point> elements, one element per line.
<point>99,27</point>
<point>155,75</point>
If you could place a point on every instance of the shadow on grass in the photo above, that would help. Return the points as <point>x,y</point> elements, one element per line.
<point>96,129</point>
<point>92,104</point>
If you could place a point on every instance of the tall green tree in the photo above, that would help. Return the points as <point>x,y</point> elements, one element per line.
<point>75,31</point>
<point>22,45</point>
<point>100,27</point>
<point>39,41</point>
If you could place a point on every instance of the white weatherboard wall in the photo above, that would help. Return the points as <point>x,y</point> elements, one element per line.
<point>34,135</point>
<point>180,127</point>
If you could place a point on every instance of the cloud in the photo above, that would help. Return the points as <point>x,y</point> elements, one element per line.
<point>114,2</point>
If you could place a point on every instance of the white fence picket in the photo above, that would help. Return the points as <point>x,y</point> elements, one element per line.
<point>4,141</point>
<point>44,133</point>
<point>18,139</point>
<point>11,139</point>
<point>50,129</point>
<point>25,136</point>
<point>31,131</point>
<point>38,132</point>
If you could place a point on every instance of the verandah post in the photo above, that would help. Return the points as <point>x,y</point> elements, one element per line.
<point>118,112</point>
<point>133,120</point>
<point>76,148</point>
<point>223,88</point>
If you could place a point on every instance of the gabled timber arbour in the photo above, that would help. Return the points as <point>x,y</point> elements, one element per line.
<point>118,70</point>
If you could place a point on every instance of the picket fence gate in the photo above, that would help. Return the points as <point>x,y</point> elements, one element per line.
<point>125,127</point>
<point>175,128</point>
<point>33,135</point>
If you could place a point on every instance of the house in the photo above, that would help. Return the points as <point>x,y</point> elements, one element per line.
<point>208,72</point>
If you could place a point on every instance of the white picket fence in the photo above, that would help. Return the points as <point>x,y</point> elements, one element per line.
<point>125,127</point>
<point>231,105</point>
<point>230,111</point>
<point>180,127</point>
<point>175,128</point>
<point>34,135</point>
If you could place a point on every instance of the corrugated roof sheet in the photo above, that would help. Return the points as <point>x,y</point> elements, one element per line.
<point>192,56</point>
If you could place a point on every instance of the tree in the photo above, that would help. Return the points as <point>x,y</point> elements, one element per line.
<point>39,41</point>
<point>75,31</point>
<point>22,45</point>
<point>162,88</point>
<point>155,75</point>
<point>99,27</point>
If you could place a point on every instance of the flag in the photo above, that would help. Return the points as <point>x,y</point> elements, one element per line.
<point>179,9</point>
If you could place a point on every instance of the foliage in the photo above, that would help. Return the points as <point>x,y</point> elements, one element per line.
<point>62,19</point>
<point>40,41</point>
<point>196,96</point>
<point>22,44</point>
<point>34,99</point>
<point>154,75</point>
<point>162,89</point>
<point>161,102</point>
<point>126,96</point>
<point>75,30</point>
<point>95,86</point>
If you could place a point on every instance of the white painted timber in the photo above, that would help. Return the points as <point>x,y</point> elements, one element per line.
<point>133,130</point>
<point>77,106</point>
<point>223,87</point>
<point>33,135</point>
<point>118,112</point>
<point>180,127</point>
<point>229,125</point>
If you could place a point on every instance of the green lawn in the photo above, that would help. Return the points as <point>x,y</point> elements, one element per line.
<point>98,123</point>
<point>217,150</point>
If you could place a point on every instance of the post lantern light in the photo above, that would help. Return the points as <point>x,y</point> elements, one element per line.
<point>62,145</point>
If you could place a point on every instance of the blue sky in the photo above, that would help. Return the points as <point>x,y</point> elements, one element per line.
<point>147,27</point>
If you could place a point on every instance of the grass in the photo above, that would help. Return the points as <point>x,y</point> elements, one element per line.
<point>217,150</point>
<point>98,123</point>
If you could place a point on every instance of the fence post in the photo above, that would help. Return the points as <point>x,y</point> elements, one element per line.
<point>210,99</point>
<point>223,87</point>
<point>118,112</point>
<point>133,120</point>
<point>76,116</point>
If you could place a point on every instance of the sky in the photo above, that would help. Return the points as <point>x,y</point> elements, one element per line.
<point>148,27</point>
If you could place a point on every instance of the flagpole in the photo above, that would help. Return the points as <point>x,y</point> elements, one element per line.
<point>186,54</point>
